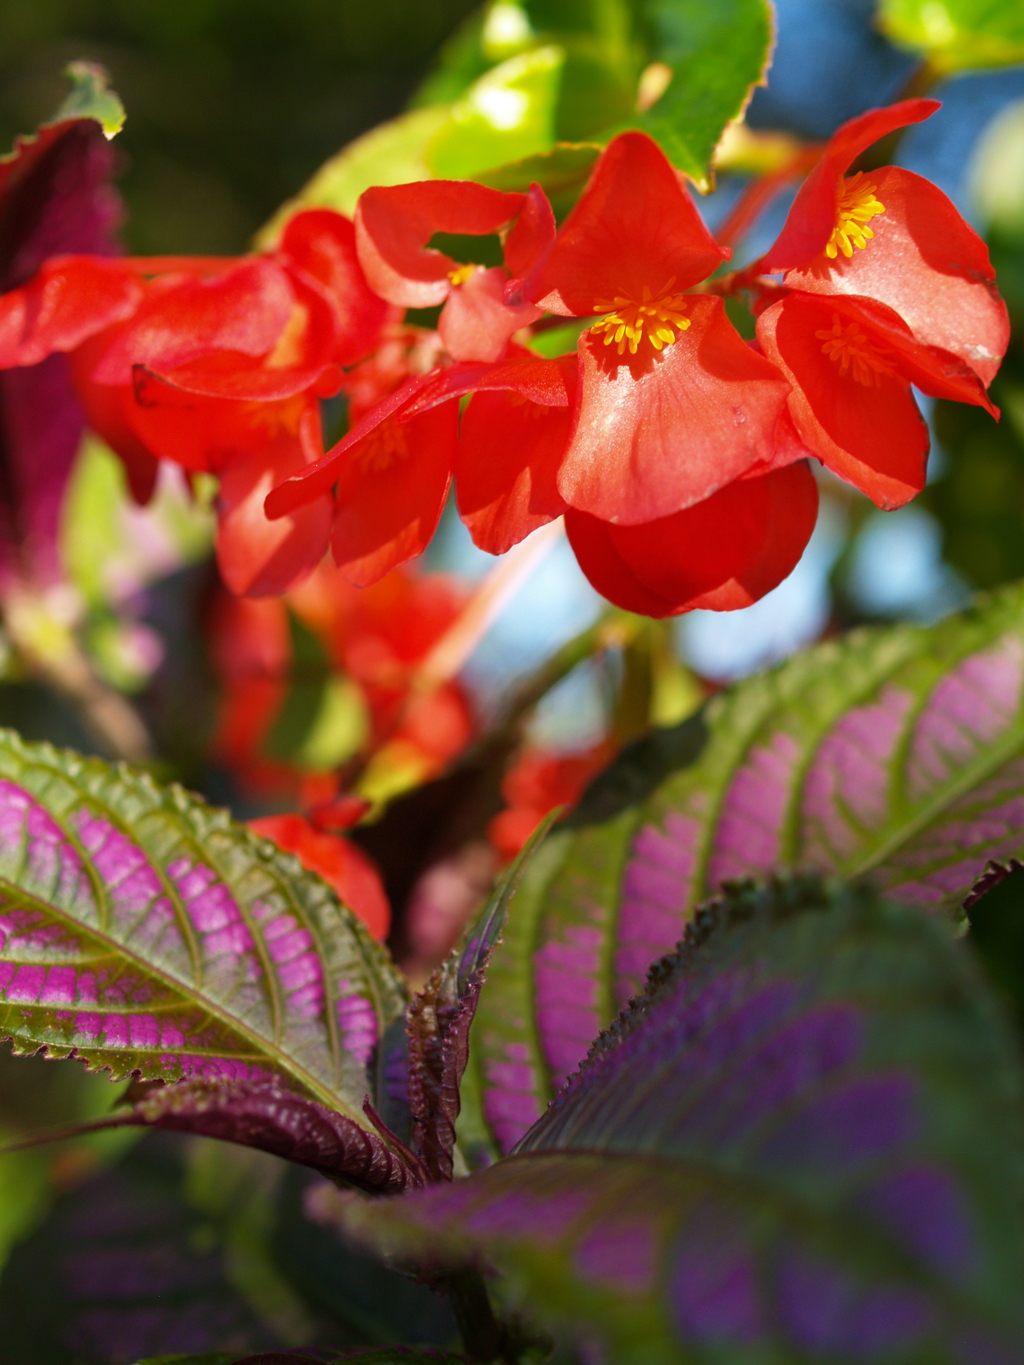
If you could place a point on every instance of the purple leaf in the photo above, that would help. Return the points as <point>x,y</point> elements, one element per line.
<point>898,753</point>
<point>801,1144</point>
<point>148,935</point>
<point>266,1115</point>
<point>55,199</point>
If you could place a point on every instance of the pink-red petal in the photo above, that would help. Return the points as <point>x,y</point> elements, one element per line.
<point>634,225</point>
<point>929,265</point>
<point>868,433</point>
<point>476,323</point>
<point>69,299</point>
<point>394,223</point>
<point>660,431</point>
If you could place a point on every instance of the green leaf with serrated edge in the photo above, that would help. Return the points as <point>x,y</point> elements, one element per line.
<point>895,752</point>
<point>773,1156</point>
<point>90,97</point>
<point>956,35</point>
<point>146,933</point>
<point>717,54</point>
<point>508,114</point>
<point>393,153</point>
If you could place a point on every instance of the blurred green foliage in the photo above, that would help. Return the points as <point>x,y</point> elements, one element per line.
<point>232,104</point>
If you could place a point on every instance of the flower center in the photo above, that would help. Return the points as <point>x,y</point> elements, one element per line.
<point>851,350</point>
<point>382,447</point>
<point>658,317</point>
<point>855,208</point>
<point>460,274</point>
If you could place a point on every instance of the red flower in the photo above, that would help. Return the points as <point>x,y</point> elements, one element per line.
<point>893,236</point>
<point>217,365</point>
<point>537,782</point>
<point>890,287</point>
<point>672,404</point>
<point>394,225</point>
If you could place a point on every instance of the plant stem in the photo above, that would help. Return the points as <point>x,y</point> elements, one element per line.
<point>483,1337</point>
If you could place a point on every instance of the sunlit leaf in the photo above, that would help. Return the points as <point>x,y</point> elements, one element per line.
<point>956,35</point>
<point>506,115</point>
<point>895,752</point>
<point>716,55</point>
<point>773,1156</point>
<point>147,934</point>
<point>91,97</point>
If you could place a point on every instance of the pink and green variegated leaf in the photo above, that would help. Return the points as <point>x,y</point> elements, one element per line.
<point>147,934</point>
<point>774,1155</point>
<point>896,753</point>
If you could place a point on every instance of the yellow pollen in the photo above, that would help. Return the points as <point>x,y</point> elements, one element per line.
<point>855,208</point>
<point>461,274</point>
<point>851,350</point>
<point>382,447</point>
<point>658,317</point>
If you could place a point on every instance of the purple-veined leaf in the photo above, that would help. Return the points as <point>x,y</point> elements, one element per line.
<point>895,752</point>
<point>124,1268</point>
<point>147,934</point>
<point>802,1144</point>
<point>386,1355</point>
<point>55,199</point>
<point>439,1019</point>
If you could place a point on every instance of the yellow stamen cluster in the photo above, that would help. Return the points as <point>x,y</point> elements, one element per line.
<point>460,274</point>
<point>850,349</point>
<point>384,445</point>
<point>855,208</point>
<point>658,317</point>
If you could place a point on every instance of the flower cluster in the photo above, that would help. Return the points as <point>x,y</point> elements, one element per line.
<point>676,451</point>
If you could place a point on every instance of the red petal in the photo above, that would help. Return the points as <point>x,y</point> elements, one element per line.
<point>320,476</point>
<point>812,217</point>
<point>394,224</point>
<point>929,265</point>
<point>658,432</point>
<point>872,436</point>
<point>634,225</point>
<point>322,243</point>
<point>391,493</point>
<point>476,323</point>
<point>724,553</point>
<point>106,410</point>
<point>306,347</point>
<point>507,465</point>
<point>257,557</point>
<point>69,299</point>
<point>246,309</point>
<point>532,235</point>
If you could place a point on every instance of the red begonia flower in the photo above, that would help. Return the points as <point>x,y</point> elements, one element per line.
<point>351,872</point>
<point>893,236</point>
<point>723,553</point>
<point>391,492</point>
<point>929,265</point>
<point>537,782</point>
<point>395,223</point>
<point>672,404</point>
<point>258,557</point>
<point>851,362</point>
<point>824,203</point>
<point>510,450</point>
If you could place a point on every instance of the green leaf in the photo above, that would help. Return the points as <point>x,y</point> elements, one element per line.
<point>895,752</point>
<point>90,97</point>
<point>956,35</point>
<point>561,173</point>
<point>717,54</point>
<point>393,153</point>
<point>144,932</point>
<point>773,1156</point>
<point>506,115</point>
